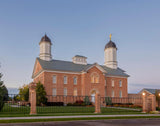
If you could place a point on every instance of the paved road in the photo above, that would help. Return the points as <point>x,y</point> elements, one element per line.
<point>115,122</point>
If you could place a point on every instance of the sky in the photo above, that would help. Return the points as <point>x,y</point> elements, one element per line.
<point>81,27</point>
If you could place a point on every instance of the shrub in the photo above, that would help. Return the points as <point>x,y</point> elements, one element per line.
<point>54,104</point>
<point>69,104</point>
<point>108,101</point>
<point>86,100</point>
<point>79,101</point>
<point>76,104</point>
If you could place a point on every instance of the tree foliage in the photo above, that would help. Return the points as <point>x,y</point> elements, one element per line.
<point>24,93</point>
<point>41,94</point>
<point>3,93</point>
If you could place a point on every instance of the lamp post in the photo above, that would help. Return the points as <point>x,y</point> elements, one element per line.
<point>144,102</point>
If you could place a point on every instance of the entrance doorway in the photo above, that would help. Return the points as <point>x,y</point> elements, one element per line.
<point>93,93</point>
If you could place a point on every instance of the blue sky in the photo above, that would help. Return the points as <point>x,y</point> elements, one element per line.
<point>81,27</point>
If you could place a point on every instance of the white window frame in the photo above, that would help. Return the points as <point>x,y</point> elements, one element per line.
<point>65,91</point>
<point>120,83</point>
<point>120,94</point>
<point>112,93</point>
<point>112,83</point>
<point>75,80</point>
<point>54,81</point>
<point>75,90</point>
<point>65,81</point>
<point>54,93</point>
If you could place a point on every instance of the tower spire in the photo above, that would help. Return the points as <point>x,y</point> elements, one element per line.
<point>110,36</point>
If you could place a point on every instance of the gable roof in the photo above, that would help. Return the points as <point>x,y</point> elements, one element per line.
<point>59,65</point>
<point>151,91</point>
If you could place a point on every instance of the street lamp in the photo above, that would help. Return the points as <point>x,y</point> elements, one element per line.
<point>145,94</point>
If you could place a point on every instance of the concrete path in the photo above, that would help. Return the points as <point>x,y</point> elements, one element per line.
<point>80,116</point>
<point>113,122</point>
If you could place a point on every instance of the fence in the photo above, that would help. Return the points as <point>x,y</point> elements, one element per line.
<point>67,104</point>
<point>16,104</point>
<point>121,105</point>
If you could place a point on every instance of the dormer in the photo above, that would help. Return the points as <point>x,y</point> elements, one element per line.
<point>77,59</point>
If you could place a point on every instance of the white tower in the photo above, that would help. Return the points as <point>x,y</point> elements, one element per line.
<point>45,48</point>
<point>110,55</point>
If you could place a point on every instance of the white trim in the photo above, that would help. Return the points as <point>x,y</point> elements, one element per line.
<point>144,90</point>
<point>62,72</point>
<point>116,76</point>
<point>38,74</point>
<point>55,72</point>
<point>98,67</point>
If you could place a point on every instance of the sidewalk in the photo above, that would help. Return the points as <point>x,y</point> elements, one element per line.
<point>81,116</point>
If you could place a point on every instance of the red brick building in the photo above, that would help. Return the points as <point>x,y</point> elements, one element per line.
<point>77,77</point>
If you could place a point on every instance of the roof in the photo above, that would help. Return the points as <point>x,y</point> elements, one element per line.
<point>110,44</point>
<point>59,65</point>
<point>45,38</point>
<point>80,56</point>
<point>152,91</point>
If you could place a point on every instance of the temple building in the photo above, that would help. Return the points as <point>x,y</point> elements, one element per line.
<point>77,77</point>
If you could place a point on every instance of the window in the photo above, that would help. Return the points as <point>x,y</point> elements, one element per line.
<point>120,83</point>
<point>112,93</point>
<point>65,92</point>
<point>54,79</point>
<point>112,83</point>
<point>120,94</point>
<point>65,79</point>
<point>54,92</point>
<point>75,92</point>
<point>94,78</point>
<point>75,80</point>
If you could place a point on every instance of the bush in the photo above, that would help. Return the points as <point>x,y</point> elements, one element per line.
<point>79,101</point>
<point>54,104</point>
<point>76,104</point>
<point>108,101</point>
<point>86,100</point>
<point>69,104</point>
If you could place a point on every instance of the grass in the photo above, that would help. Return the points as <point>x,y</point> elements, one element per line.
<point>10,111</point>
<point>73,119</point>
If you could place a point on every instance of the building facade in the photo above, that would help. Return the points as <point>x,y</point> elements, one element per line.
<point>77,77</point>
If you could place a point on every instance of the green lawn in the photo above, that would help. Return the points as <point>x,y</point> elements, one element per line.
<point>13,110</point>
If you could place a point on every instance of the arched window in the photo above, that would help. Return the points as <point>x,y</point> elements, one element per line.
<point>94,78</point>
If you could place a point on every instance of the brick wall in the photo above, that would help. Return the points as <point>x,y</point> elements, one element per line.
<point>84,85</point>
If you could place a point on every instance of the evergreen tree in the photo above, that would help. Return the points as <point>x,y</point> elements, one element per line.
<point>3,93</point>
<point>41,94</point>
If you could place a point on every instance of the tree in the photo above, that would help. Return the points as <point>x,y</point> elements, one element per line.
<point>3,93</point>
<point>41,94</point>
<point>24,93</point>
